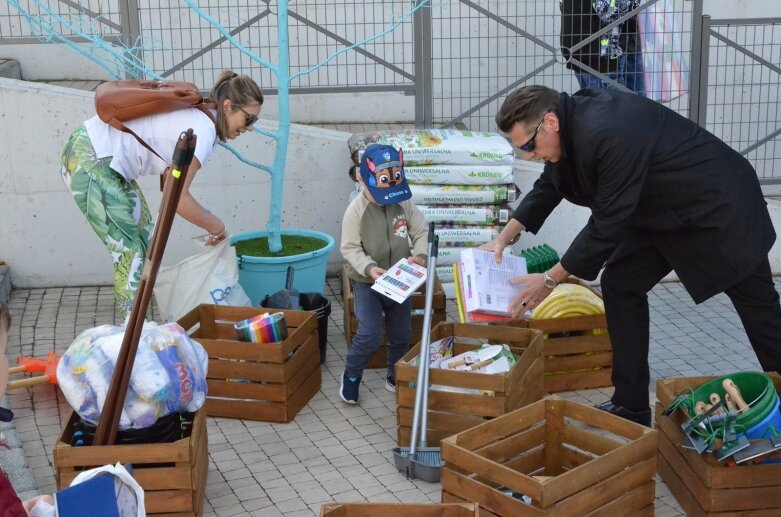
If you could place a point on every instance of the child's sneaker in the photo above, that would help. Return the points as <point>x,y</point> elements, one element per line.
<point>390,382</point>
<point>349,388</point>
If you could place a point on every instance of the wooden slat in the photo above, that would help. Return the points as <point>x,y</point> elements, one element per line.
<point>159,501</point>
<point>487,497</point>
<point>448,402</point>
<point>438,425</point>
<point>588,441</point>
<point>530,388</point>
<point>304,394</point>
<point>573,324</point>
<point>605,420</point>
<point>578,362</point>
<point>577,345</point>
<point>529,462</point>
<point>638,503</point>
<point>491,471</point>
<point>601,468</point>
<point>447,497</point>
<point>234,408</point>
<point>571,458</point>
<point>397,509</point>
<point>502,450</point>
<point>501,427</point>
<point>554,424</point>
<point>678,489</point>
<point>572,381</point>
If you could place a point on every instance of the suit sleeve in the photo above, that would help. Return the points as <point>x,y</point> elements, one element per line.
<point>351,247</point>
<point>537,205</point>
<point>622,161</point>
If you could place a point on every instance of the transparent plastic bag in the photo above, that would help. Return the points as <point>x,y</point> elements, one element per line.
<point>169,374</point>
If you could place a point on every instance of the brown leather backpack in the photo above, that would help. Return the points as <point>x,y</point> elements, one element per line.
<point>117,102</point>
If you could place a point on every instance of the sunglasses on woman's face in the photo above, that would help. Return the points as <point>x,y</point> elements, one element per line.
<point>529,145</point>
<point>251,119</point>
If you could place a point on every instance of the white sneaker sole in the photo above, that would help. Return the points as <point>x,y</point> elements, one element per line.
<point>351,402</point>
<point>390,387</point>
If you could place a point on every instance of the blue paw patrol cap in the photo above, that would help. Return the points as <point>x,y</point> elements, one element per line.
<point>382,171</point>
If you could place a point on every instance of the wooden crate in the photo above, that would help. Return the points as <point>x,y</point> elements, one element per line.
<point>283,376</point>
<point>173,475</point>
<point>575,358</point>
<point>570,459</point>
<point>701,485</point>
<point>449,412</point>
<point>399,509</point>
<point>379,358</point>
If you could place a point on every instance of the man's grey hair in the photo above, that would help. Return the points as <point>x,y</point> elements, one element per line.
<point>526,106</point>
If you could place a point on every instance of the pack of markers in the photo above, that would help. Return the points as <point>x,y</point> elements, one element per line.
<point>264,328</point>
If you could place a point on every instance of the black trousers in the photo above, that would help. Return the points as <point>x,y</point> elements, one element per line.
<point>625,285</point>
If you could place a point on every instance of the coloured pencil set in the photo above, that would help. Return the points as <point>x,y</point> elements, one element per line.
<point>264,328</point>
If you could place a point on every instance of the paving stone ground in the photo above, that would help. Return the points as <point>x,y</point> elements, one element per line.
<point>331,451</point>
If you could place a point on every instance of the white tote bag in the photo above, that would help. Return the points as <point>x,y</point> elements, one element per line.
<point>208,277</point>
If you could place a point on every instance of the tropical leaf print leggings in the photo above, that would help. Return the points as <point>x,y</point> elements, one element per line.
<point>114,207</point>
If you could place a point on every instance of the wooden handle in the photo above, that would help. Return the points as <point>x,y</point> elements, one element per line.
<point>25,383</point>
<point>734,394</point>
<point>730,404</point>
<point>482,363</point>
<point>456,364</point>
<point>699,408</point>
<point>17,369</point>
<point>715,399</point>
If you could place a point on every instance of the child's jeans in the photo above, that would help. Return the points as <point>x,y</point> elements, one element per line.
<point>369,307</point>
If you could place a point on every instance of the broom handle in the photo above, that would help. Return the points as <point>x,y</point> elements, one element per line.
<point>419,415</point>
<point>106,431</point>
<point>431,264</point>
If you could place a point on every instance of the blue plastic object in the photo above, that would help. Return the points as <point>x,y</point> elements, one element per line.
<point>761,429</point>
<point>260,276</point>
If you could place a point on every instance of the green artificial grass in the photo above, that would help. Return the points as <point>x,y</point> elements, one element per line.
<point>291,245</point>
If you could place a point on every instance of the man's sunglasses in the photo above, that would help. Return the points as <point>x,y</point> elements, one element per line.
<point>529,145</point>
<point>251,119</point>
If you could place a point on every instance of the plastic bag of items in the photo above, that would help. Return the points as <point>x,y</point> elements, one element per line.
<point>169,374</point>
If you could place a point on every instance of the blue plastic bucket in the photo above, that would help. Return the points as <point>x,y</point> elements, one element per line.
<point>761,430</point>
<point>260,276</point>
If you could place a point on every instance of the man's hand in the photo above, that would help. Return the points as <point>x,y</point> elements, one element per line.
<point>376,272</point>
<point>533,291</point>
<point>497,246</point>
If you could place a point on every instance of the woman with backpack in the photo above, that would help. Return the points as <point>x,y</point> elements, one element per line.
<point>100,165</point>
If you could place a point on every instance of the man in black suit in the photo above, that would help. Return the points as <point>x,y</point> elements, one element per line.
<point>664,195</point>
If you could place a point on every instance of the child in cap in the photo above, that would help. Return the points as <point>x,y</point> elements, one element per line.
<point>380,227</point>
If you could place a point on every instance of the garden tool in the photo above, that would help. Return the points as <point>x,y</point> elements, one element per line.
<point>734,394</point>
<point>108,425</point>
<point>46,366</point>
<point>287,298</point>
<point>758,448</point>
<point>715,399</point>
<point>482,355</point>
<point>732,442</point>
<point>422,462</point>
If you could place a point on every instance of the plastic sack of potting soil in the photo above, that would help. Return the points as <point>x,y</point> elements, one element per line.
<point>445,273</point>
<point>462,235</point>
<point>485,215</point>
<point>464,194</point>
<point>449,255</point>
<point>424,147</point>
<point>169,373</point>
<point>460,174</point>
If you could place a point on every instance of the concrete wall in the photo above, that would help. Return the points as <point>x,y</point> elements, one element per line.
<point>44,237</point>
<point>46,241</point>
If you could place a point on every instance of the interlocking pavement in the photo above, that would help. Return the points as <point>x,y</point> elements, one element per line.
<point>331,451</point>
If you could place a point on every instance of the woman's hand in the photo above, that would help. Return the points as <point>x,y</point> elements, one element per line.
<point>497,246</point>
<point>216,237</point>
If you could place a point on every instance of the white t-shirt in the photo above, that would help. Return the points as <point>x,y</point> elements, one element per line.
<point>161,131</point>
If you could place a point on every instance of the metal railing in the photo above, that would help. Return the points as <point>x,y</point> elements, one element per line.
<point>459,58</point>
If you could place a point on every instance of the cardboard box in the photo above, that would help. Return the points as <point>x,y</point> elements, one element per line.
<point>450,412</point>
<point>256,381</point>
<point>570,459</point>
<point>379,358</point>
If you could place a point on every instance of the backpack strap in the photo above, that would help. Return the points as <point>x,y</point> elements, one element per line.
<point>203,107</point>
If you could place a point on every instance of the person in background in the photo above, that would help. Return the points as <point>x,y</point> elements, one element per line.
<point>100,165</point>
<point>10,504</point>
<point>666,196</point>
<point>380,227</point>
<point>616,53</point>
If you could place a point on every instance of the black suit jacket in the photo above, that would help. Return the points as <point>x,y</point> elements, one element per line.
<point>647,173</point>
